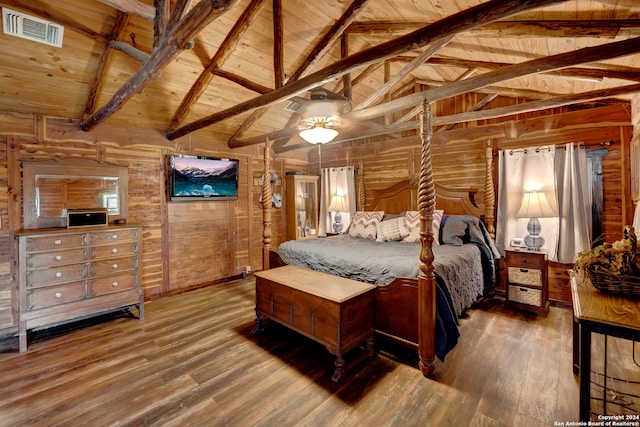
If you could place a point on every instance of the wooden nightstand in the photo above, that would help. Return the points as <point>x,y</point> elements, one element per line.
<point>527,280</point>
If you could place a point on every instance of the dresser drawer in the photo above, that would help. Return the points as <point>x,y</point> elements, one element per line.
<point>113,236</point>
<point>113,265</point>
<point>60,274</point>
<point>54,295</point>
<point>59,241</point>
<point>117,283</point>
<point>525,295</point>
<point>54,258</point>
<point>524,276</point>
<point>525,260</point>
<point>115,250</point>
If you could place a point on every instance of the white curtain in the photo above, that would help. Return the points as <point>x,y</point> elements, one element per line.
<point>334,181</point>
<point>574,202</point>
<point>520,171</point>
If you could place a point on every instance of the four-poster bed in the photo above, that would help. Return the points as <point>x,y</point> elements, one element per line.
<point>405,308</point>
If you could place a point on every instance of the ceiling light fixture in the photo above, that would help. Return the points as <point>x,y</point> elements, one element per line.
<point>318,134</point>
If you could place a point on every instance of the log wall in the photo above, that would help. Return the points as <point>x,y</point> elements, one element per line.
<point>458,154</point>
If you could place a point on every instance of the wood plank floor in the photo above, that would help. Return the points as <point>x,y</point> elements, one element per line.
<point>192,361</point>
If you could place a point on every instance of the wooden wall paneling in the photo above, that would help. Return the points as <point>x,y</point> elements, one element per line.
<point>7,292</point>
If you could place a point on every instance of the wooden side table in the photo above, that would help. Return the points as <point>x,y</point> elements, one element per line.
<point>595,311</point>
<point>527,280</point>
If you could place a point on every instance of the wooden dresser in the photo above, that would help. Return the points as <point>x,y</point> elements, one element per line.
<point>527,280</point>
<point>71,274</point>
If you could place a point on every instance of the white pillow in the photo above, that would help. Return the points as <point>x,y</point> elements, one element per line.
<point>392,229</point>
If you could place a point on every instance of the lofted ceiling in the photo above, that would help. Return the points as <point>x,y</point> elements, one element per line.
<point>229,68</point>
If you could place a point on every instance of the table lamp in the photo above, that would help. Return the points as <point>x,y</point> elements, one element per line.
<point>535,205</point>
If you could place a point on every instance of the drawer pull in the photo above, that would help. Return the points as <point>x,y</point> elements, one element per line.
<point>58,257</point>
<point>114,266</point>
<point>57,242</point>
<point>58,274</point>
<point>524,290</point>
<point>58,295</point>
<point>115,284</point>
<point>114,236</point>
<point>524,270</point>
<point>114,250</point>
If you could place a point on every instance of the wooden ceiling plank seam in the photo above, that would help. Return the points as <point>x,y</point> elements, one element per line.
<point>226,47</point>
<point>609,28</point>
<point>119,26</point>
<point>160,20</point>
<point>198,18</point>
<point>278,44</point>
<point>481,14</point>
<point>134,7</point>
<point>535,66</point>
<point>396,78</point>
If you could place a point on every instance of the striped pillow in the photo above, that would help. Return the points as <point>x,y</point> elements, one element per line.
<point>412,223</point>
<point>365,224</point>
<point>392,229</point>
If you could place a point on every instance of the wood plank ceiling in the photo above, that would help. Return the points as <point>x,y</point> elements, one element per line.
<point>228,67</point>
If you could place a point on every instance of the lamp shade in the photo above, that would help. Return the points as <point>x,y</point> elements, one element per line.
<point>338,204</point>
<point>535,205</point>
<point>318,134</point>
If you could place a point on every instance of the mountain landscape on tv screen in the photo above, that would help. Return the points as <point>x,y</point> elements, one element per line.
<point>197,181</point>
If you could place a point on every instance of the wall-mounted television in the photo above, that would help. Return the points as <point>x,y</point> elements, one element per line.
<point>203,177</point>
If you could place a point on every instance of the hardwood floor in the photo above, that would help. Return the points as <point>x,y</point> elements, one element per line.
<point>192,361</point>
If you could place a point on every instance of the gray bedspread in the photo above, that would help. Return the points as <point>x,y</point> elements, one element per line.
<point>382,262</point>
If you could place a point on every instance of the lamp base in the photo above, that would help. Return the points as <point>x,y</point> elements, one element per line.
<point>534,240</point>
<point>337,225</point>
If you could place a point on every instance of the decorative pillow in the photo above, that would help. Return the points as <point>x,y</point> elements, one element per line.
<point>392,229</point>
<point>454,229</point>
<point>364,224</point>
<point>412,223</point>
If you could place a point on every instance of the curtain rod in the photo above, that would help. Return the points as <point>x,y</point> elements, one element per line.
<point>560,146</point>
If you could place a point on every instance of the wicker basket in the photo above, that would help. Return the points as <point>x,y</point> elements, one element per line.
<point>625,283</point>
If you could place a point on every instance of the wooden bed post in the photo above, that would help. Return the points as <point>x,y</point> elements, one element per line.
<point>489,192</point>
<point>267,195</point>
<point>426,278</point>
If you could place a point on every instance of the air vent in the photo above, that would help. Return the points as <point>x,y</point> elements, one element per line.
<point>31,28</point>
<point>293,106</point>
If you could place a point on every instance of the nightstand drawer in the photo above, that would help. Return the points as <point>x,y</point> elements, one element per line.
<point>525,259</point>
<point>525,276</point>
<point>525,295</point>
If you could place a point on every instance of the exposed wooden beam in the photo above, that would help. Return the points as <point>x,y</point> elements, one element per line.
<point>537,105</point>
<point>134,7</point>
<point>316,53</point>
<point>536,66</point>
<point>134,53</point>
<point>395,79</point>
<point>473,17</point>
<point>160,21</point>
<point>198,18</point>
<point>598,74</point>
<point>253,86</point>
<point>226,47</point>
<point>336,30</point>
<point>278,43</point>
<point>119,25</point>
<point>552,28</point>
<point>346,79</point>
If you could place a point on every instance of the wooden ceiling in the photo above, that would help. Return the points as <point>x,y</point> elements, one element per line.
<point>228,67</point>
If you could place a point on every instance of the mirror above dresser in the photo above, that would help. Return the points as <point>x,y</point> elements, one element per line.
<point>54,187</point>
